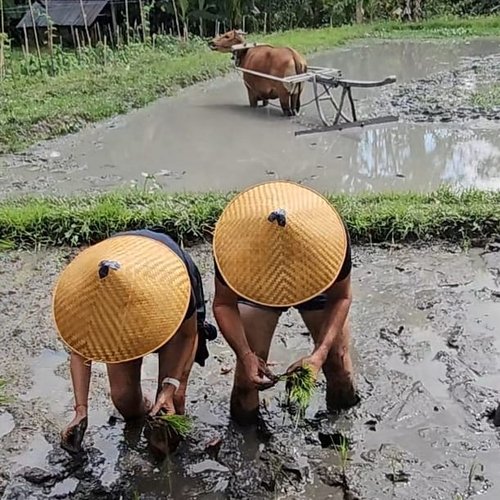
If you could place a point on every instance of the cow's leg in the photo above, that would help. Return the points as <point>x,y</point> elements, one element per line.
<point>265,102</point>
<point>295,100</point>
<point>298,96</point>
<point>252,98</point>
<point>285,101</point>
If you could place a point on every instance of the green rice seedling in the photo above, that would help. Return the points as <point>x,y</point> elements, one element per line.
<point>180,425</point>
<point>4,399</point>
<point>300,387</point>
<point>343,452</point>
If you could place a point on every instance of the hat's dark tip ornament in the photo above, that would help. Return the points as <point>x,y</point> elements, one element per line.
<point>279,216</point>
<point>105,266</point>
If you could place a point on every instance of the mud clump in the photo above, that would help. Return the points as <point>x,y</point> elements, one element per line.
<point>446,96</point>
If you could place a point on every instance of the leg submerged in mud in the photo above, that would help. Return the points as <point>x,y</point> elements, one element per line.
<point>259,324</point>
<point>340,390</point>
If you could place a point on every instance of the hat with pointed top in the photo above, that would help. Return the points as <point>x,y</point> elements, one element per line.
<point>279,244</point>
<point>121,299</point>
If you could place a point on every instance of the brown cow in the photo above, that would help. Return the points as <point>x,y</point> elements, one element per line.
<point>277,61</point>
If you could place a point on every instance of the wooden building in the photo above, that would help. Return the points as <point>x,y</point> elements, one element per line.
<point>73,21</point>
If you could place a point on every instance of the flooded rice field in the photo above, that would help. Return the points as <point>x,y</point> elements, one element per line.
<point>425,320</point>
<point>427,359</point>
<point>208,138</point>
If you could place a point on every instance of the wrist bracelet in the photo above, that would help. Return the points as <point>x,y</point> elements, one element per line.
<point>171,381</point>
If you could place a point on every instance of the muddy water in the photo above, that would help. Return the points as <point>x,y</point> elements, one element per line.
<point>427,357</point>
<point>208,138</point>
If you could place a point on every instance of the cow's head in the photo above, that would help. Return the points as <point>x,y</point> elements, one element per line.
<point>224,42</point>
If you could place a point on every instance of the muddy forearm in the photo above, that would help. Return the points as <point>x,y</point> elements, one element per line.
<point>230,324</point>
<point>80,377</point>
<point>227,316</point>
<point>176,354</point>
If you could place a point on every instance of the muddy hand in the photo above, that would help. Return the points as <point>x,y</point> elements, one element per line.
<point>315,364</point>
<point>72,436</point>
<point>258,372</point>
<point>164,402</point>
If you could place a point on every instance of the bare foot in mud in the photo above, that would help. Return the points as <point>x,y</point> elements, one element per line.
<point>341,396</point>
<point>160,442</point>
<point>72,436</point>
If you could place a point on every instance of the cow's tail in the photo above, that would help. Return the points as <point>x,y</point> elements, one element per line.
<point>300,67</point>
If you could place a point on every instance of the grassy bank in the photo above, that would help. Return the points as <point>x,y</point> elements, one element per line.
<point>92,87</point>
<point>469,216</point>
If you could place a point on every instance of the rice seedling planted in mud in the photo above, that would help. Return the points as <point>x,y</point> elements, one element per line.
<point>4,399</point>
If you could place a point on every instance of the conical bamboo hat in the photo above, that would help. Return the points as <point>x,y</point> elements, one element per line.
<point>279,244</point>
<point>121,299</point>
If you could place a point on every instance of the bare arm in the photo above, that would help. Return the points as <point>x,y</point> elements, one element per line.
<point>173,360</point>
<point>80,370</point>
<point>339,299</point>
<point>176,354</point>
<point>227,315</point>
<point>228,318</point>
<point>72,435</point>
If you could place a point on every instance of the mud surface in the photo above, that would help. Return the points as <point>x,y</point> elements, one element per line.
<point>446,95</point>
<point>208,138</point>
<point>426,349</point>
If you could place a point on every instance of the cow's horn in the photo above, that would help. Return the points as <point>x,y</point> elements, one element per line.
<point>240,32</point>
<point>279,216</point>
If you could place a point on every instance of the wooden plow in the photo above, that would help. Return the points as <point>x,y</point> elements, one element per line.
<point>324,81</point>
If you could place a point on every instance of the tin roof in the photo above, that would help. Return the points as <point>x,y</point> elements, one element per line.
<point>63,12</point>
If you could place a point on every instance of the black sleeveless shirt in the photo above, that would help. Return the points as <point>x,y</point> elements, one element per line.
<point>206,331</point>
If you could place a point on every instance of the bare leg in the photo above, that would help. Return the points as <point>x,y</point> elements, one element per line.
<point>340,391</point>
<point>259,324</point>
<point>126,392</point>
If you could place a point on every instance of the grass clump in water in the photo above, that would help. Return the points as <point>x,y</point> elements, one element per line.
<point>487,98</point>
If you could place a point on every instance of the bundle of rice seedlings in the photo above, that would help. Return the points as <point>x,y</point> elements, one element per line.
<point>179,425</point>
<point>300,387</point>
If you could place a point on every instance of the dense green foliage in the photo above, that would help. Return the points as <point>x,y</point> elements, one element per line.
<point>468,216</point>
<point>202,16</point>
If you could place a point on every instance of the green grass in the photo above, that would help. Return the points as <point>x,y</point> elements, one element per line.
<point>470,216</point>
<point>488,97</point>
<point>33,108</point>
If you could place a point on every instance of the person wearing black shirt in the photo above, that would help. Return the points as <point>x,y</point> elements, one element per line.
<point>132,294</point>
<point>280,245</point>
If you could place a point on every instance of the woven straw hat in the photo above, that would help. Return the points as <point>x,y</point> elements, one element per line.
<point>121,299</point>
<point>279,244</point>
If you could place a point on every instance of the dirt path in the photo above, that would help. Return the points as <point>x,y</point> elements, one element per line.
<point>426,347</point>
<point>208,138</point>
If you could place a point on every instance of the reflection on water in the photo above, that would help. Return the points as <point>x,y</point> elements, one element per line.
<point>419,157</point>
